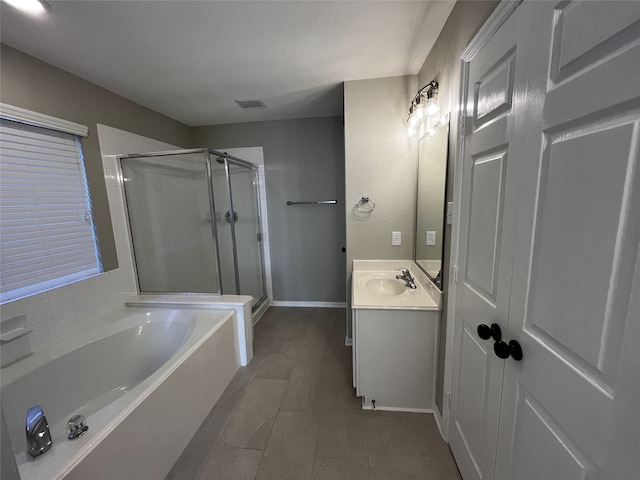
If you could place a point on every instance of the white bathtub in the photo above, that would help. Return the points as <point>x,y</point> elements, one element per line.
<point>145,380</point>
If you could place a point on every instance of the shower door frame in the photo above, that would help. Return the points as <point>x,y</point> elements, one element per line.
<point>254,170</point>
<point>214,230</point>
<point>210,154</point>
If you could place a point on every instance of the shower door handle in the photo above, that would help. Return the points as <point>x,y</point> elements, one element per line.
<point>227,216</point>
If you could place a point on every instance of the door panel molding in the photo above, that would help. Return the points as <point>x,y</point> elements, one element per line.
<point>530,455</point>
<point>573,51</point>
<point>494,91</point>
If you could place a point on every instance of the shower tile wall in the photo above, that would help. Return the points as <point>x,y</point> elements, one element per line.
<point>60,312</point>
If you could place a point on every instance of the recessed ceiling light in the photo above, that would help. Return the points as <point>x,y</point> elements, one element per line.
<point>30,6</point>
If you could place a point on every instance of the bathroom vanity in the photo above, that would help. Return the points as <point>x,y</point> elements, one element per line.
<point>395,330</point>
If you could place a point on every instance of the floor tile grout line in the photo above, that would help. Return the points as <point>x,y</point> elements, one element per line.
<point>220,439</point>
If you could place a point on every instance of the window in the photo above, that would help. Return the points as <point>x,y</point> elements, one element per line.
<point>47,236</point>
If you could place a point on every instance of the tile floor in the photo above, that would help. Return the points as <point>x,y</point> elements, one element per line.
<point>292,414</point>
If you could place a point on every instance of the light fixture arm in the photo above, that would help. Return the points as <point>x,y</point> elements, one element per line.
<point>430,91</point>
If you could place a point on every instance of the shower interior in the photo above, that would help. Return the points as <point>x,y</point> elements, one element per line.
<point>194,220</point>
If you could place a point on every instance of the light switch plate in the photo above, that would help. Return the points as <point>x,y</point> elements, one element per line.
<point>430,237</point>
<point>396,238</point>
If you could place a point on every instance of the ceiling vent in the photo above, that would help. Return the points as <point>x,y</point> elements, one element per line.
<point>250,102</point>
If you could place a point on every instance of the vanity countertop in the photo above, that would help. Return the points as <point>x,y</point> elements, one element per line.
<point>374,286</point>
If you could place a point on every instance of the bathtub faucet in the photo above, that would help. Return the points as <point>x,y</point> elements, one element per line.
<point>38,434</point>
<point>76,427</point>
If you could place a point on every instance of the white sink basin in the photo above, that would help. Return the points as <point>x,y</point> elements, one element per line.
<point>385,287</point>
<point>375,286</point>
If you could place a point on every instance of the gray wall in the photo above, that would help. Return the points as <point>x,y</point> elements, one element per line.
<point>30,83</point>
<point>381,162</point>
<point>304,160</point>
<point>443,64</point>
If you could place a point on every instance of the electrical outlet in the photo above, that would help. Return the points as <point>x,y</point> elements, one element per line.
<point>396,238</point>
<point>431,237</point>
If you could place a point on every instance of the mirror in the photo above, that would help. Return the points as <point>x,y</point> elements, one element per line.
<point>431,217</point>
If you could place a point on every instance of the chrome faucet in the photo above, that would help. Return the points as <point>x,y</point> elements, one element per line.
<point>406,276</point>
<point>38,434</point>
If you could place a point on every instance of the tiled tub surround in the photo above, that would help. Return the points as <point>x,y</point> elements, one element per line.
<point>127,436</point>
<point>395,332</point>
<point>58,313</point>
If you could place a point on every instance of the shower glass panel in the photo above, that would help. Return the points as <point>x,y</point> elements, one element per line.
<point>169,204</point>
<point>248,240</point>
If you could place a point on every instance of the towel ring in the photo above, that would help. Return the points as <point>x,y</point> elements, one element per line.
<point>365,201</point>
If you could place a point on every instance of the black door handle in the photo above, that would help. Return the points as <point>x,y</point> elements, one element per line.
<point>485,332</point>
<point>505,350</point>
<point>501,349</point>
<point>515,349</point>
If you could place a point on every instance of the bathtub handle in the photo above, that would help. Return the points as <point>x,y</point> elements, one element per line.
<point>76,426</point>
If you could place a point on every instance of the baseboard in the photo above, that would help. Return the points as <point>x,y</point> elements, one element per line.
<point>438,418</point>
<point>396,409</point>
<point>281,303</point>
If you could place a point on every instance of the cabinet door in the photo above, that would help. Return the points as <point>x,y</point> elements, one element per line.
<point>494,112</point>
<point>570,407</point>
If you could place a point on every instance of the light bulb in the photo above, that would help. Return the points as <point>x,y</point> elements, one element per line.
<point>30,6</point>
<point>411,131</point>
<point>432,107</point>
<point>413,120</point>
<point>431,131</point>
<point>419,111</point>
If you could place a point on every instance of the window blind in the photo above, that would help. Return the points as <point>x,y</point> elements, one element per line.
<point>47,237</point>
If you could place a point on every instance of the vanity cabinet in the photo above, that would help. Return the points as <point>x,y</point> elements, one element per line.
<point>395,330</point>
<point>394,358</point>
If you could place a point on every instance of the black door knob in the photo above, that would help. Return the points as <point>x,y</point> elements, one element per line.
<point>496,333</point>
<point>515,350</point>
<point>484,331</point>
<point>501,349</point>
<point>505,350</point>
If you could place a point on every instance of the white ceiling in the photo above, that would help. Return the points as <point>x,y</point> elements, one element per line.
<point>190,59</point>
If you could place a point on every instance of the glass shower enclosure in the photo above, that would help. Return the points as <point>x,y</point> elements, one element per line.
<point>194,219</point>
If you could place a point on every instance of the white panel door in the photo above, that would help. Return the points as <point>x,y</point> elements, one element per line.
<point>493,122</point>
<point>570,407</point>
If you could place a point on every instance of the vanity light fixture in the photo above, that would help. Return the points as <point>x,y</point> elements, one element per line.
<point>30,6</point>
<point>423,105</point>
<point>441,122</point>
